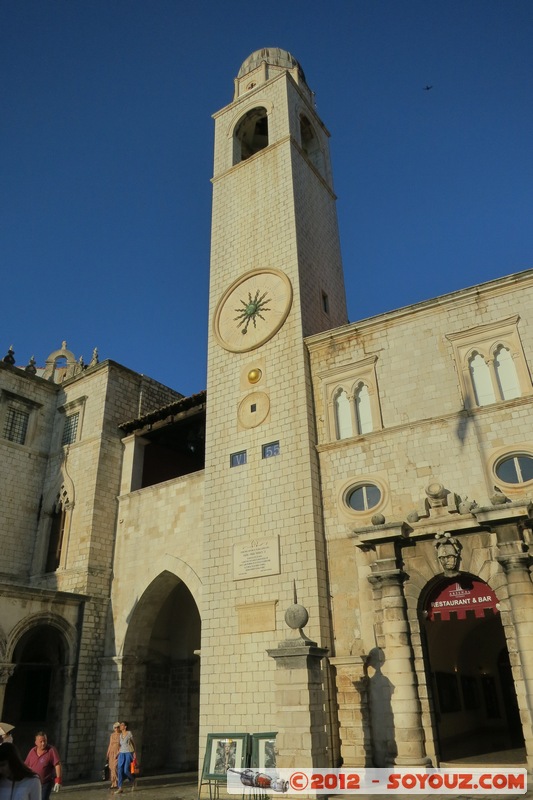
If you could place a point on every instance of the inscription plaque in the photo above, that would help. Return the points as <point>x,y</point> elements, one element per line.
<point>255,558</point>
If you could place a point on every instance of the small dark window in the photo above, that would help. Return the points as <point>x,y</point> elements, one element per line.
<point>518,469</point>
<point>325,303</point>
<point>16,425</point>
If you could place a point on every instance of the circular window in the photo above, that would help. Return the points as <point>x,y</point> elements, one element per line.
<point>515,469</point>
<point>363,497</point>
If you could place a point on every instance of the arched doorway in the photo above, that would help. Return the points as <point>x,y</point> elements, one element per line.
<point>467,664</point>
<point>160,694</point>
<point>34,697</point>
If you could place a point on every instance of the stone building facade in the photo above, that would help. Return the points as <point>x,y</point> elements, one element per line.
<point>377,473</point>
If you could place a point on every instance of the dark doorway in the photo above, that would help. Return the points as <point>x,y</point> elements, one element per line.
<point>34,693</point>
<point>467,664</point>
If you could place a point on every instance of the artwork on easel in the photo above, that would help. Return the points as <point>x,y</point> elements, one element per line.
<point>263,751</point>
<point>224,751</point>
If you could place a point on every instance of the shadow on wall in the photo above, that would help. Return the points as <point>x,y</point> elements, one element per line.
<point>380,690</point>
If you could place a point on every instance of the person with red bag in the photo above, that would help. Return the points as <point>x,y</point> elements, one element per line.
<point>126,755</point>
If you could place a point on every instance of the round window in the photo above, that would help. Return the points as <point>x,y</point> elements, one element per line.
<point>363,497</point>
<point>516,469</point>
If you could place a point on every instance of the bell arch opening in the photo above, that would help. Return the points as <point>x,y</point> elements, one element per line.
<point>475,710</point>
<point>160,692</point>
<point>251,134</point>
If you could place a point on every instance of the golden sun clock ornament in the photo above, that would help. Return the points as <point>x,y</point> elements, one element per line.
<point>252,309</point>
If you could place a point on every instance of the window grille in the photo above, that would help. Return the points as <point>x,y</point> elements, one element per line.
<point>16,425</point>
<point>71,429</point>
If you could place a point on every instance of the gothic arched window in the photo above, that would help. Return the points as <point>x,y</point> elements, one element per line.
<point>363,410</point>
<point>506,374</point>
<point>57,532</point>
<point>343,415</point>
<point>481,380</point>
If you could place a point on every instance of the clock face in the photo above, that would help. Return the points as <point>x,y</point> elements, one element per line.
<point>252,309</point>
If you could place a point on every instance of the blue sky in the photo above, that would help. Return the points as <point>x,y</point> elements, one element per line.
<point>106,158</point>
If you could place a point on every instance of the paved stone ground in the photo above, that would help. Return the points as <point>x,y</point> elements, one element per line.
<point>185,787</point>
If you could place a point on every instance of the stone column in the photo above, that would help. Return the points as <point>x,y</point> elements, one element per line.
<point>6,671</point>
<point>300,718</point>
<point>352,696</point>
<point>515,560</point>
<point>132,463</point>
<point>398,663</point>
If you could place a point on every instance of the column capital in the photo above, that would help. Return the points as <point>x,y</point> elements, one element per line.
<point>6,671</point>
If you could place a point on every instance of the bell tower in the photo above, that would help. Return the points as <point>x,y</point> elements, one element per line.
<point>276,277</point>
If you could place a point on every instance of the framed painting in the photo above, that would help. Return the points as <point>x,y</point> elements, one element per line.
<point>224,751</point>
<point>263,751</point>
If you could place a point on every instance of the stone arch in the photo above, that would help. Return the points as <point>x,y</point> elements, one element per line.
<point>26,625</point>
<point>160,682</point>
<point>459,662</point>
<point>41,652</point>
<point>70,368</point>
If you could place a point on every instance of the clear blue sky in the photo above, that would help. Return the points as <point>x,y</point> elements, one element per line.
<point>106,158</point>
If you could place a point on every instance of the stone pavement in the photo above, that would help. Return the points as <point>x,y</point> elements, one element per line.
<point>185,787</point>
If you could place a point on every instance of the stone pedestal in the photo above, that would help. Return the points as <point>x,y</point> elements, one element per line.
<point>300,718</point>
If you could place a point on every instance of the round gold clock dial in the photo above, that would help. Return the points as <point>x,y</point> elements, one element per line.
<point>252,309</point>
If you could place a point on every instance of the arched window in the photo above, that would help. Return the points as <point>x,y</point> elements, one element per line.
<point>251,134</point>
<point>310,144</point>
<point>481,380</point>
<point>343,415</point>
<point>363,411</point>
<point>506,374</point>
<point>57,532</point>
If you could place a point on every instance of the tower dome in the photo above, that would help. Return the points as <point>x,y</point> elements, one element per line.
<point>262,65</point>
<point>273,56</point>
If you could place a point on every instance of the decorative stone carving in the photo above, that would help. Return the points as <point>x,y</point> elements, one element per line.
<point>448,553</point>
<point>437,497</point>
<point>9,357</point>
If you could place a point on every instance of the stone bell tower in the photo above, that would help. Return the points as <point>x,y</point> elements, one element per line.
<point>276,277</point>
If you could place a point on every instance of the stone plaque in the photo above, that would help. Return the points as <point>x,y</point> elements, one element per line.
<point>257,617</point>
<point>255,558</point>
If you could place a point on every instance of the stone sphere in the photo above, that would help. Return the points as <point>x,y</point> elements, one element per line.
<point>296,616</point>
<point>378,519</point>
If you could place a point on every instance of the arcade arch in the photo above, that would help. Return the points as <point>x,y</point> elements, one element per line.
<point>39,690</point>
<point>160,691</point>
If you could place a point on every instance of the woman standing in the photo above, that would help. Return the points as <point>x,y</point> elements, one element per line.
<point>126,754</point>
<point>112,754</point>
<point>17,781</point>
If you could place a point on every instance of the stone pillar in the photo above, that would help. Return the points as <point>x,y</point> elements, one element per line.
<point>132,463</point>
<point>398,662</point>
<point>301,739</point>
<point>6,671</point>
<point>515,560</point>
<point>300,717</point>
<point>352,696</point>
